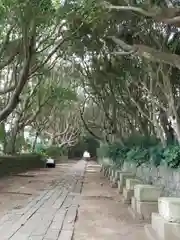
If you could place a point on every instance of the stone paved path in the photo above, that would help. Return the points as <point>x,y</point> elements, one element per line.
<point>50,216</point>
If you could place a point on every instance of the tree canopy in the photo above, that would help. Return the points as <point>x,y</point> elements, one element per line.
<point>106,68</point>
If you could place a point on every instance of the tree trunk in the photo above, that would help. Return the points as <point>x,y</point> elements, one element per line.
<point>35,141</point>
<point>4,137</point>
<point>11,145</point>
<point>165,125</point>
<point>176,127</point>
<point>144,127</point>
<point>23,78</point>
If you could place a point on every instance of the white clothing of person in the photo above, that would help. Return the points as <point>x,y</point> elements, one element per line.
<point>86,154</point>
<point>50,161</point>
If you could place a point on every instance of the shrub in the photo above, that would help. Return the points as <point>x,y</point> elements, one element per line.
<point>138,155</point>
<point>172,156</point>
<point>156,155</point>
<point>20,163</point>
<point>139,150</point>
<point>103,151</point>
<point>54,151</point>
<point>117,153</point>
<point>138,140</point>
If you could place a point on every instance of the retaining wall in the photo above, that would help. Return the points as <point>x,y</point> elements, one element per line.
<point>168,178</point>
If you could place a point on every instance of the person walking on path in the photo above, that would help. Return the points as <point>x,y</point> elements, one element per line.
<point>86,156</point>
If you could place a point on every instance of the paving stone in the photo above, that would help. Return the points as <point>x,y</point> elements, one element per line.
<point>59,216</point>
<point>36,238</point>
<point>59,202</point>
<point>30,226</point>
<point>70,218</point>
<point>31,204</point>
<point>20,236</point>
<point>66,235</point>
<point>68,201</point>
<point>51,215</point>
<point>52,234</point>
<point>43,226</point>
<point>78,187</point>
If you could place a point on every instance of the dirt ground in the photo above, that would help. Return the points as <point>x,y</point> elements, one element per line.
<point>16,191</point>
<point>102,215</point>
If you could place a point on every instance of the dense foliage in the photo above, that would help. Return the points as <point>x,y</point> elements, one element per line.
<point>51,151</point>
<point>172,156</point>
<point>148,153</point>
<point>107,68</point>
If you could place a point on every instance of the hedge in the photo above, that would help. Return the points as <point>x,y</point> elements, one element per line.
<point>142,150</point>
<point>20,163</point>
